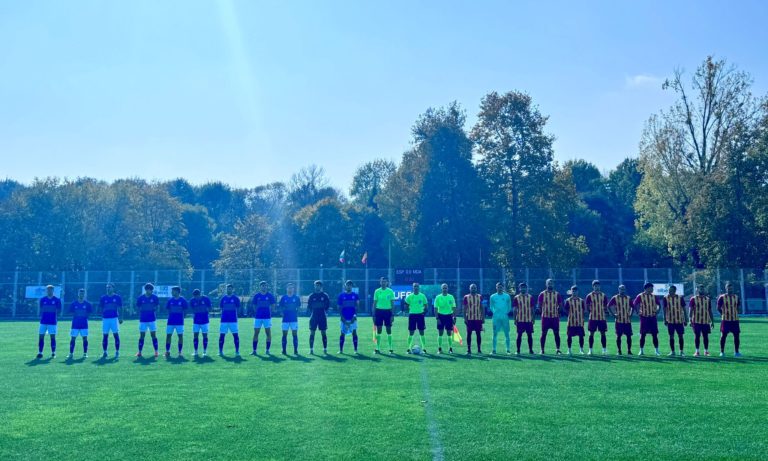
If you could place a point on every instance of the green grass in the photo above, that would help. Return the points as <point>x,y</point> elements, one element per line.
<point>373,407</point>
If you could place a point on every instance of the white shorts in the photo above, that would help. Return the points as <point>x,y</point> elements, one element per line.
<point>347,330</point>
<point>109,326</point>
<point>50,329</point>
<point>228,327</point>
<point>144,326</point>
<point>294,326</point>
<point>258,323</point>
<point>200,328</point>
<point>81,332</point>
<point>179,329</point>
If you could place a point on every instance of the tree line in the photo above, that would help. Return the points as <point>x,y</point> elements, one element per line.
<point>695,194</point>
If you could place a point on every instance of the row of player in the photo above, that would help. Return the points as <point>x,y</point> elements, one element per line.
<point>549,305</point>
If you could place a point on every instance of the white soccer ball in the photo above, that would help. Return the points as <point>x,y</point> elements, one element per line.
<point>416,350</point>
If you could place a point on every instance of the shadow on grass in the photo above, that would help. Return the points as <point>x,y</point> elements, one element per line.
<point>36,362</point>
<point>366,358</point>
<point>331,358</point>
<point>298,358</point>
<point>74,361</point>
<point>407,357</point>
<point>271,358</point>
<point>232,359</point>
<point>101,361</point>
<point>200,360</point>
<point>443,357</point>
<point>145,360</point>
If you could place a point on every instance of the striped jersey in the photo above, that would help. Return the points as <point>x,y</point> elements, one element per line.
<point>473,307</point>
<point>648,304</point>
<point>523,308</point>
<point>728,305</point>
<point>596,302</point>
<point>673,309</point>
<point>622,307</point>
<point>575,307</point>
<point>549,303</point>
<point>700,310</point>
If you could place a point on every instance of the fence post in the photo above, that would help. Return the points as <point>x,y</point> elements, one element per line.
<point>367,305</point>
<point>179,279</point>
<point>597,274</point>
<point>645,275</point>
<point>131,296</point>
<point>669,274</point>
<point>39,282</point>
<point>458,284</point>
<point>694,281</point>
<point>527,276</point>
<point>765,279</point>
<point>274,280</point>
<point>109,276</point>
<point>573,276</point>
<point>16,291</point>
<point>157,277</point>
<point>250,282</point>
<point>503,277</point>
<point>481,281</point>
<point>298,283</point>
<point>743,292</point>
<point>434,276</point>
<point>202,281</point>
<point>85,283</point>
<point>621,275</point>
<point>717,278</point>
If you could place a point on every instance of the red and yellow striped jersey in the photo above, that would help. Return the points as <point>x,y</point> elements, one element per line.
<point>701,310</point>
<point>673,309</point>
<point>523,308</point>
<point>728,305</point>
<point>596,304</point>
<point>622,308</point>
<point>575,307</point>
<point>473,307</point>
<point>549,303</point>
<point>648,304</point>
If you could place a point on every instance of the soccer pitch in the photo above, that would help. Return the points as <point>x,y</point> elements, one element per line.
<point>379,407</point>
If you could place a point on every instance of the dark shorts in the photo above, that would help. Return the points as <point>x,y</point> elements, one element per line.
<point>474,325</point>
<point>382,317</point>
<point>416,322</point>
<point>699,328</point>
<point>673,328</point>
<point>524,327</point>
<point>595,325</point>
<point>575,331</point>
<point>549,323</point>
<point>623,329</point>
<point>445,322</point>
<point>318,323</point>
<point>729,326</point>
<point>649,325</point>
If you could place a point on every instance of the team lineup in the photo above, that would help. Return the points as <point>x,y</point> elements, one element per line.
<point>594,310</point>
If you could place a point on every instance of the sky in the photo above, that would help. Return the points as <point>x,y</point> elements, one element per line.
<point>248,92</point>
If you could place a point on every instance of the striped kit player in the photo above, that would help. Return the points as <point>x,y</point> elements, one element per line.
<point>523,311</point>
<point>675,319</point>
<point>621,308</point>
<point>648,306</point>
<point>728,305</point>
<point>549,303</point>
<point>574,306</point>
<point>700,313</point>
<point>596,305</point>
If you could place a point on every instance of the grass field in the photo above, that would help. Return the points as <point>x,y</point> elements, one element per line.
<point>379,407</point>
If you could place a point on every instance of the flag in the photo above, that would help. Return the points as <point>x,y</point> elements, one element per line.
<point>374,334</point>
<point>365,258</point>
<point>341,256</point>
<point>457,335</point>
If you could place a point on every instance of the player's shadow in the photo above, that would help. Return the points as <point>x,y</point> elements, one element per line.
<point>232,359</point>
<point>407,357</point>
<point>503,356</point>
<point>271,358</point>
<point>444,357</point>
<point>200,360</point>
<point>101,361</point>
<point>74,361</point>
<point>331,358</point>
<point>298,358</point>
<point>366,358</point>
<point>145,360</point>
<point>36,362</point>
<point>176,360</point>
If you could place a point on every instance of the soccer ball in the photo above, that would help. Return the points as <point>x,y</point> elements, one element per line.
<point>416,350</point>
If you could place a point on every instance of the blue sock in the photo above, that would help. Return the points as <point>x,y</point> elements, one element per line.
<point>167,346</point>
<point>117,342</point>
<point>72,345</point>
<point>105,342</point>
<point>284,343</point>
<point>85,345</point>
<point>269,344</point>
<point>141,344</point>
<point>237,342</point>
<point>53,344</point>
<point>40,344</point>
<point>354,341</point>
<point>255,345</point>
<point>195,342</point>
<point>205,342</point>
<point>295,344</point>
<point>341,343</point>
<point>154,343</point>
<point>180,346</point>
<point>221,343</point>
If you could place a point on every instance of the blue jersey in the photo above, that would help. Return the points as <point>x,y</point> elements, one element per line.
<point>109,306</point>
<point>230,305</point>
<point>80,311</point>
<point>147,306</point>
<point>49,307</point>
<point>200,306</point>
<point>290,306</point>
<point>176,307</point>
<point>347,302</point>
<point>262,303</point>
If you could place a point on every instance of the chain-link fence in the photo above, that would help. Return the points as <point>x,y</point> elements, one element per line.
<point>18,299</point>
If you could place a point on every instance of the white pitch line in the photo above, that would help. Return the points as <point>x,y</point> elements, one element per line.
<point>434,433</point>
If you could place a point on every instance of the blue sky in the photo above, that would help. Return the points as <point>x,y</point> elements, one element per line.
<point>248,92</point>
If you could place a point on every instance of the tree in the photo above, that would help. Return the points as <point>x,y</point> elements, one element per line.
<point>695,147</point>
<point>516,164</point>
<point>431,202</point>
<point>308,186</point>
<point>243,248</point>
<point>369,180</point>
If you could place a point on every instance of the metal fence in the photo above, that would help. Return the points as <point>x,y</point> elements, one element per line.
<point>752,284</point>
